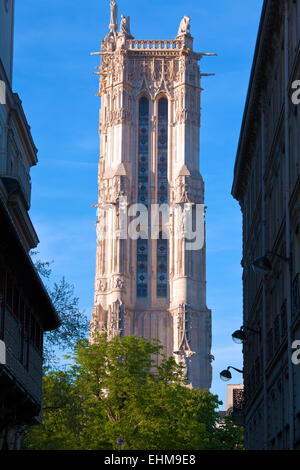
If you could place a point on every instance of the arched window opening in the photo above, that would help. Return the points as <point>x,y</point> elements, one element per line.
<point>162,267</point>
<point>162,152</point>
<point>142,268</point>
<point>143,144</point>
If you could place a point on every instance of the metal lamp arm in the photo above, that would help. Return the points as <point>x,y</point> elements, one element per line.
<point>249,329</point>
<point>238,370</point>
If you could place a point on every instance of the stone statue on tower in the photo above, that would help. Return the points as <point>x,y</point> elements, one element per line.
<point>125,27</point>
<point>184,27</point>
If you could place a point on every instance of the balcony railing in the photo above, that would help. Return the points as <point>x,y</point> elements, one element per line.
<point>156,45</point>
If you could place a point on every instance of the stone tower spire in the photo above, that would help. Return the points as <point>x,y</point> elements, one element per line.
<point>149,283</point>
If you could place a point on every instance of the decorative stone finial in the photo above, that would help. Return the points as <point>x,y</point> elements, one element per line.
<point>184,27</point>
<point>113,16</point>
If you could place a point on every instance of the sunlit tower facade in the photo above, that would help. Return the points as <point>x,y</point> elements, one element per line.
<point>149,155</point>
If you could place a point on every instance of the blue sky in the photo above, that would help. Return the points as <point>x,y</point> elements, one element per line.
<point>53,74</point>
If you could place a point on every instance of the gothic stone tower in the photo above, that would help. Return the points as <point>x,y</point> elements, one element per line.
<point>149,153</point>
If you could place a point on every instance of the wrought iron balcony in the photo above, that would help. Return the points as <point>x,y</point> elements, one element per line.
<point>238,406</point>
<point>238,399</point>
<point>18,181</point>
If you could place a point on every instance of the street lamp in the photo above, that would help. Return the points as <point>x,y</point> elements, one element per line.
<point>239,336</point>
<point>261,265</point>
<point>225,375</point>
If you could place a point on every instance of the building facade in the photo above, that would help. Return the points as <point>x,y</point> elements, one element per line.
<point>267,186</point>
<point>234,402</point>
<point>25,307</point>
<point>151,285</point>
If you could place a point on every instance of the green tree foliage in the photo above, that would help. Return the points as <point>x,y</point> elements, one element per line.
<point>118,388</point>
<point>74,324</point>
